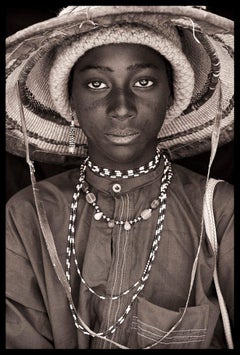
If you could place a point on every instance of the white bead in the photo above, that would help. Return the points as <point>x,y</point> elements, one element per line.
<point>116,188</point>
<point>90,197</point>
<point>98,216</point>
<point>111,223</point>
<point>145,214</point>
<point>127,226</point>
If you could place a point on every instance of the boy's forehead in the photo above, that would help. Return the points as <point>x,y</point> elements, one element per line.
<point>134,55</point>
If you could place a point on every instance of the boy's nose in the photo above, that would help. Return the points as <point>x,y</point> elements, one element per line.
<point>122,105</point>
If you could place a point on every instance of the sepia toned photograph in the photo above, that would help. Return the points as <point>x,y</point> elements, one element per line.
<point>119,177</point>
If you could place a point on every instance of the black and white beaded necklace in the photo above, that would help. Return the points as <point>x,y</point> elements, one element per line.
<point>125,174</point>
<point>138,285</point>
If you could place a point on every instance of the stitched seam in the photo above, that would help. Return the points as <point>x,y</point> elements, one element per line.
<point>123,266</point>
<point>171,342</point>
<point>124,254</point>
<point>172,337</point>
<point>116,269</point>
<point>174,331</point>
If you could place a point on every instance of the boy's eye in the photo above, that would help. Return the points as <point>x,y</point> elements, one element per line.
<point>97,84</point>
<point>144,83</point>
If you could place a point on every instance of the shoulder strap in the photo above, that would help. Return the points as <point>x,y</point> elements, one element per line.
<point>210,227</point>
<point>47,233</point>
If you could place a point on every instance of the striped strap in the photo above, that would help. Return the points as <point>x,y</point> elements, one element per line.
<point>210,228</point>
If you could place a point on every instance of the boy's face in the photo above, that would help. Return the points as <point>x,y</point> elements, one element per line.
<point>120,93</point>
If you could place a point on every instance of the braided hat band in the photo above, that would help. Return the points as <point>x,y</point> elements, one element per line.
<point>204,50</point>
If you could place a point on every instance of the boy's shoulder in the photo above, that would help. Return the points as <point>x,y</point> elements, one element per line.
<point>195,182</point>
<point>49,187</point>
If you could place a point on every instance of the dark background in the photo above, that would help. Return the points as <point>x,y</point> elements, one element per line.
<point>19,17</point>
<point>17,173</point>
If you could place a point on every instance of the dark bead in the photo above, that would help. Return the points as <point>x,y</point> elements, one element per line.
<point>85,186</point>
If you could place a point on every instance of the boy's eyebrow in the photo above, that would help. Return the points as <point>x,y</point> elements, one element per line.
<point>142,66</point>
<point>98,67</point>
<point>129,68</point>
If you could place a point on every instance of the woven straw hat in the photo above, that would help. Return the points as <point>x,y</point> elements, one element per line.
<point>198,44</point>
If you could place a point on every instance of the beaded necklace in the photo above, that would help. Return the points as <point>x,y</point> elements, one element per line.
<point>125,174</point>
<point>127,224</point>
<point>91,198</point>
<point>165,181</point>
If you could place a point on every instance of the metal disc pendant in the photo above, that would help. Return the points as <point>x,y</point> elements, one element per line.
<point>127,226</point>
<point>90,197</point>
<point>98,216</point>
<point>146,214</point>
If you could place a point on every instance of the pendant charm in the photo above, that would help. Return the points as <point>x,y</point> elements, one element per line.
<point>98,216</point>
<point>127,226</point>
<point>155,204</point>
<point>111,223</point>
<point>90,197</point>
<point>146,214</point>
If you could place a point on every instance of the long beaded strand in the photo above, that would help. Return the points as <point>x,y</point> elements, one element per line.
<point>166,179</point>
<point>91,200</point>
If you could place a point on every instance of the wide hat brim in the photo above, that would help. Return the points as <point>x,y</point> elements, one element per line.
<point>29,55</point>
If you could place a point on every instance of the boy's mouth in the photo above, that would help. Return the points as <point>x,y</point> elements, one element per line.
<point>124,136</point>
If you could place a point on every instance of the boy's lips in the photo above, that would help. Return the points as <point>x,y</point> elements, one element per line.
<point>124,136</point>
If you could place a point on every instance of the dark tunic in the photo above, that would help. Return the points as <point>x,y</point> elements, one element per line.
<point>111,260</point>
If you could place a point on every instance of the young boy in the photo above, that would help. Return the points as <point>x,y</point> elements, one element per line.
<point>114,253</point>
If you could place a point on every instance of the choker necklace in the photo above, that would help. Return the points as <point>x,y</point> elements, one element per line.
<point>125,174</point>
<point>165,181</point>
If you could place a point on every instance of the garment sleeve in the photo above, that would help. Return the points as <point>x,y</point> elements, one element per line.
<point>27,323</point>
<point>224,199</point>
